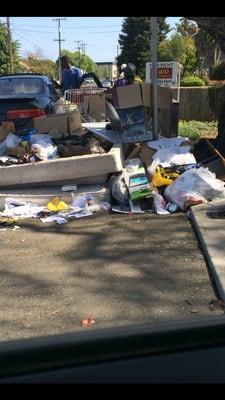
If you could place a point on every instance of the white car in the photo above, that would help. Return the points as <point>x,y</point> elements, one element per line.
<point>106,84</point>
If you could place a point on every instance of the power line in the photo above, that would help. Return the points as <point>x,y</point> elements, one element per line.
<point>71,30</point>
<point>30,41</point>
<point>59,40</point>
<point>77,27</point>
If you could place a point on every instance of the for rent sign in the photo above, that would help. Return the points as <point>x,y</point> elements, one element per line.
<point>168,73</point>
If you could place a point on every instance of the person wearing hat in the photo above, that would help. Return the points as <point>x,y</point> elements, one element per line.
<point>130,76</point>
<point>122,68</point>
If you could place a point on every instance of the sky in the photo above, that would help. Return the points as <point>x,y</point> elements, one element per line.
<point>100,35</point>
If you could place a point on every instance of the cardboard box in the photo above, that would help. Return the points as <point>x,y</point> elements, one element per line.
<point>136,95</point>
<point>127,96</point>
<point>146,93</point>
<point>16,151</point>
<point>165,109</point>
<point>8,126</point>
<point>74,121</point>
<point>215,163</point>
<point>3,134</point>
<point>146,155</point>
<point>58,125</point>
<point>131,116</point>
<point>55,124</point>
<point>138,184</point>
<point>96,107</point>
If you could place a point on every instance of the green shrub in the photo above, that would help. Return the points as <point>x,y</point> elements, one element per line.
<point>196,129</point>
<point>192,81</point>
<point>218,73</point>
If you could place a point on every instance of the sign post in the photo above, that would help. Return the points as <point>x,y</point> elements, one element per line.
<point>154,75</point>
<point>168,73</point>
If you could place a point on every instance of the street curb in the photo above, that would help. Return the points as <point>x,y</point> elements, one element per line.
<point>211,234</point>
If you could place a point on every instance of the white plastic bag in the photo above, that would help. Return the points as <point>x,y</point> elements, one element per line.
<point>168,158</point>
<point>195,185</point>
<point>43,146</point>
<point>11,141</point>
<point>159,203</point>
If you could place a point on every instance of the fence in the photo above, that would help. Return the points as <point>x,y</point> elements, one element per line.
<point>199,103</point>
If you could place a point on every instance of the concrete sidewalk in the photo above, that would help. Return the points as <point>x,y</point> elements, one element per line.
<point>211,234</point>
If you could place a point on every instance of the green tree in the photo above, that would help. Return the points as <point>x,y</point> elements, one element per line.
<point>44,67</point>
<point>80,60</point>
<point>135,40</point>
<point>207,50</point>
<point>4,51</point>
<point>186,27</point>
<point>179,48</point>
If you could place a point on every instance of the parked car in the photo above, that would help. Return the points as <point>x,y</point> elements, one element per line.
<point>107,84</point>
<point>89,80</point>
<point>25,96</point>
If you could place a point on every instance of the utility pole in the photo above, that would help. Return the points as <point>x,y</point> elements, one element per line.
<point>154,75</point>
<point>59,40</point>
<point>10,46</point>
<point>79,47</point>
<point>84,45</point>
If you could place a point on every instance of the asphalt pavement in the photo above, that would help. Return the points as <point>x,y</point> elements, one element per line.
<point>119,270</point>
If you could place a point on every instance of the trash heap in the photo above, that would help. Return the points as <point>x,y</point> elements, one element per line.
<point>143,175</point>
<point>29,146</point>
<point>56,210</point>
<point>164,178</point>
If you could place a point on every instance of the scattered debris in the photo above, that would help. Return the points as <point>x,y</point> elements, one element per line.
<point>216,304</point>
<point>55,312</point>
<point>87,322</point>
<point>57,205</point>
<point>16,227</point>
<point>188,302</point>
<point>69,188</point>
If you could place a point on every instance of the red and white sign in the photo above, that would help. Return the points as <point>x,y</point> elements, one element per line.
<point>168,73</point>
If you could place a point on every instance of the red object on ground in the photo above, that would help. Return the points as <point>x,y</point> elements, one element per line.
<point>87,322</point>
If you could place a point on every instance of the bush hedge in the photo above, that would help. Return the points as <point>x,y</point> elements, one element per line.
<point>192,81</point>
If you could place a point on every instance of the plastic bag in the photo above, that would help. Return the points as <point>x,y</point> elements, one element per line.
<point>160,178</point>
<point>194,186</point>
<point>119,189</point>
<point>132,164</point>
<point>11,141</point>
<point>42,146</point>
<point>168,158</point>
<point>57,205</point>
<point>159,203</point>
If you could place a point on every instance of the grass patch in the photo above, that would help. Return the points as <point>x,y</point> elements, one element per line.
<point>195,130</point>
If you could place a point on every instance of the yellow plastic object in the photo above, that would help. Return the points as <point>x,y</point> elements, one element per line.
<point>57,205</point>
<point>160,178</point>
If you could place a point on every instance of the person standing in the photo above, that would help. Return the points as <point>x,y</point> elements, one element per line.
<point>130,76</point>
<point>72,77</point>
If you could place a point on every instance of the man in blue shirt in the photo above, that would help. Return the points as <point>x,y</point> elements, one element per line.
<point>72,77</point>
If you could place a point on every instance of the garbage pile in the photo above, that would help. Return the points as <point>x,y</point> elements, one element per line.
<point>144,175</point>
<point>33,147</point>
<point>56,209</point>
<point>171,181</point>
